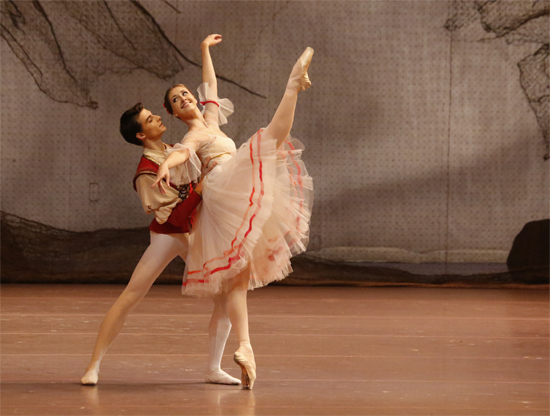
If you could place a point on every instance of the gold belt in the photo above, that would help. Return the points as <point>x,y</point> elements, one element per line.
<point>214,157</point>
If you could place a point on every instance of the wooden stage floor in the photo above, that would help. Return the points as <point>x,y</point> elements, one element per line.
<point>319,351</point>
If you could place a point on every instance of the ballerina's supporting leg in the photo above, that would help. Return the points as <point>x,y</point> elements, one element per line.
<point>238,314</point>
<point>218,331</point>
<point>281,124</point>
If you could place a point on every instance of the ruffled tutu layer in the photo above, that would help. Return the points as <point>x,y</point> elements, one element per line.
<point>254,216</point>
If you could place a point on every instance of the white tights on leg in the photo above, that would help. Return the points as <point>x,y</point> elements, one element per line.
<point>162,250</point>
<point>218,332</point>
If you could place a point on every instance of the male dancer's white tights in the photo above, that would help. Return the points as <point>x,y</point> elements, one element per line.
<point>162,250</point>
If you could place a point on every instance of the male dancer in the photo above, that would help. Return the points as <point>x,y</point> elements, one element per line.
<point>169,239</point>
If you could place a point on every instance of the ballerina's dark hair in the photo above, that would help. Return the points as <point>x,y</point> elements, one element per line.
<point>130,125</point>
<point>167,104</point>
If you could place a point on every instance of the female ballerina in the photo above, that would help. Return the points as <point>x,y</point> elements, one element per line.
<point>256,201</point>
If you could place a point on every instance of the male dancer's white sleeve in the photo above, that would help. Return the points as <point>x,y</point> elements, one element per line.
<point>152,200</point>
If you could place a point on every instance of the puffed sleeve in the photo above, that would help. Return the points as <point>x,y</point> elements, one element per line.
<point>215,114</point>
<point>153,201</point>
<point>187,172</point>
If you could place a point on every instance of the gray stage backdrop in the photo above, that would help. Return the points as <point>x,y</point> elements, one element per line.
<point>426,127</point>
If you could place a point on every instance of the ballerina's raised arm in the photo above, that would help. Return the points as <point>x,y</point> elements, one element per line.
<point>181,98</point>
<point>209,92</point>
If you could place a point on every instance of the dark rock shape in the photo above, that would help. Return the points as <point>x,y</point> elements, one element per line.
<point>26,28</point>
<point>517,21</point>
<point>504,16</point>
<point>531,248</point>
<point>66,45</point>
<point>464,13</point>
<point>314,272</point>
<point>535,81</point>
<point>36,253</point>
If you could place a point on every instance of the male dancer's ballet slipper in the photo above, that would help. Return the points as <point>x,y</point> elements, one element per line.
<point>299,79</point>
<point>90,378</point>
<point>220,377</point>
<point>248,368</point>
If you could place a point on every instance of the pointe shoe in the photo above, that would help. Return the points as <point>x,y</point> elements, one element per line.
<point>90,378</point>
<point>220,377</point>
<point>248,368</point>
<point>299,79</point>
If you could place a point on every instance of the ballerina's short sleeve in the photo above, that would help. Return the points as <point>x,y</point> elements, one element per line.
<point>214,113</point>
<point>187,172</point>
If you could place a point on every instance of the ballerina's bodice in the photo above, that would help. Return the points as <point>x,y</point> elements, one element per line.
<point>216,146</point>
<point>206,145</point>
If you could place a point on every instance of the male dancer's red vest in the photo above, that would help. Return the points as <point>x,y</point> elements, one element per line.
<point>178,222</point>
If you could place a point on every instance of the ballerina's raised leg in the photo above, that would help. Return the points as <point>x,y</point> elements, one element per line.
<point>279,128</point>
<point>282,121</point>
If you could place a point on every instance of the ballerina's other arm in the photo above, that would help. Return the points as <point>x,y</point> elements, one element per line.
<point>179,157</point>
<point>176,158</point>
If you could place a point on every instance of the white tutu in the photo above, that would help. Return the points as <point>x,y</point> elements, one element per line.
<point>254,215</point>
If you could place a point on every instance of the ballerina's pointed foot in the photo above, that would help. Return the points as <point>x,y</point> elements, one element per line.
<point>299,79</point>
<point>245,360</point>
<point>90,378</point>
<point>220,377</point>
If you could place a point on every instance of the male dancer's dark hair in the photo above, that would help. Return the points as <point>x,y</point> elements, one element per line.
<point>130,125</point>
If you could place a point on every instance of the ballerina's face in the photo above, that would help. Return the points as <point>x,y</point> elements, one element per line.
<point>182,101</point>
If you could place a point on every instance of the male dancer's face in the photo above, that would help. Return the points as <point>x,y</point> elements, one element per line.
<point>151,126</point>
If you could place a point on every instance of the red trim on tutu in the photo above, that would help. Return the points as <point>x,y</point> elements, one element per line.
<point>300,186</point>
<point>234,253</point>
<point>238,248</point>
